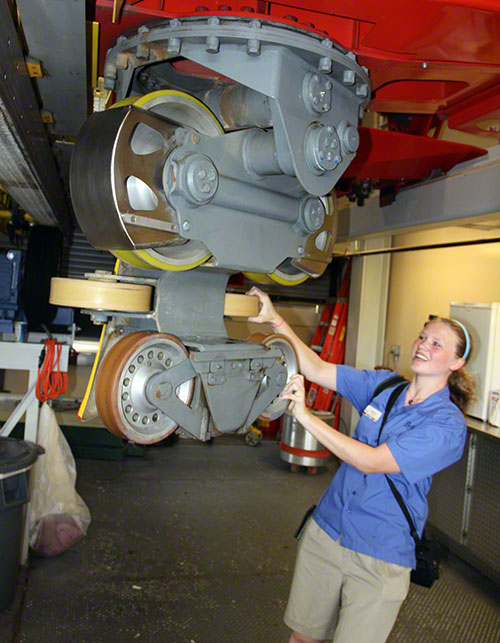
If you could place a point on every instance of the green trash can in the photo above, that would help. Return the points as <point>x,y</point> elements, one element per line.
<point>16,459</point>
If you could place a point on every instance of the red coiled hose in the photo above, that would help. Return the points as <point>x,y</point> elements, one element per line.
<point>51,381</point>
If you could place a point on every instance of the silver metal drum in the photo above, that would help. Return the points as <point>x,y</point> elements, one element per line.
<point>298,446</point>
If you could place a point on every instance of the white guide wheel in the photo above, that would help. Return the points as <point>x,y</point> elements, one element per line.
<point>100,295</point>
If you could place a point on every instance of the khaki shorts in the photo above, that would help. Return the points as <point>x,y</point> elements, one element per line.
<point>340,594</point>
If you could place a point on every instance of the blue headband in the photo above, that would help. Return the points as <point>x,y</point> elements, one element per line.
<point>467,339</point>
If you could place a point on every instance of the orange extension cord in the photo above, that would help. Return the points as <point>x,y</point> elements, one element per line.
<point>51,381</point>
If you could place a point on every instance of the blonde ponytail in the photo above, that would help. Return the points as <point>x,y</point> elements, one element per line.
<point>462,388</point>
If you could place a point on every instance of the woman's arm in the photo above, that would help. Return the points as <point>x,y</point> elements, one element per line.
<point>364,457</point>
<point>310,364</point>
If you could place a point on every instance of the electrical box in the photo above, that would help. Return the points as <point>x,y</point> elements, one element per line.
<point>483,323</point>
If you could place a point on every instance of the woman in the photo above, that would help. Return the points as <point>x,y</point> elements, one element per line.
<point>354,559</point>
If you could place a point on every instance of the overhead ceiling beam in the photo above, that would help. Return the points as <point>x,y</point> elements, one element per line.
<point>470,192</point>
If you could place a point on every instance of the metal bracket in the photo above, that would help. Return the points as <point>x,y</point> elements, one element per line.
<point>160,391</point>
<point>275,383</point>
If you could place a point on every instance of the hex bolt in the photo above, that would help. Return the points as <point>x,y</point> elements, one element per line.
<point>142,51</point>
<point>212,45</point>
<point>195,138</point>
<point>362,90</point>
<point>349,77</point>
<point>253,47</point>
<point>300,250</point>
<point>143,30</point>
<point>325,65</point>
<point>174,45</point>
<point>186,226</point>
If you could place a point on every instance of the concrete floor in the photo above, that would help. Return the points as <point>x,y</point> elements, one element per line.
<point>194,544</point>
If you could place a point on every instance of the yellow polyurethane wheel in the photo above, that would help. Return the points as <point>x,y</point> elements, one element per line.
<point>129,256</point>
<point>145,101</point>
<point>259,278</point>
<point>154,259</point>
<point>285,279</point>
<point>100,295</point>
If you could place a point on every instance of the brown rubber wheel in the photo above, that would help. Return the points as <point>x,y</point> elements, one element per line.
<point>109,386</point>
<point>108,381</point>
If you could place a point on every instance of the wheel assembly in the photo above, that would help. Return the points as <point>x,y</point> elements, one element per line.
<point>210,163</point>
<point>121,384</point>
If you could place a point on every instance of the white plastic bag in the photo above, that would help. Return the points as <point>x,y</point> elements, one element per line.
<point>58,516</point>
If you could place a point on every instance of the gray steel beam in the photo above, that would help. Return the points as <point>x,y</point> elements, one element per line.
<point>55,32</point>
<point>28,169</point>
<point>469,193</point>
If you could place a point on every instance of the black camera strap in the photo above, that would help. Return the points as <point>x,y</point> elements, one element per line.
<point>390,403</point>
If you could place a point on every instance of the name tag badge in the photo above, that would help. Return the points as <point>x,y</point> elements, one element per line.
<point>372,414</point>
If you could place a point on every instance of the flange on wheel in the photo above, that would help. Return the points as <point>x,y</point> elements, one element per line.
<point>288,360</point>
<point>121,386</point>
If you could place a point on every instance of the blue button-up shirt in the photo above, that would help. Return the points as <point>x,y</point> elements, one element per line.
<point>423,438</point>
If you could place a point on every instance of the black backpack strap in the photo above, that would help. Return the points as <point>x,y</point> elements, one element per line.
<point>391,381</point>
<point>400,502</point>
<point>390,403</point>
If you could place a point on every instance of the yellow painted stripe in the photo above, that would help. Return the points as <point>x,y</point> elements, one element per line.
<point>90,383</point>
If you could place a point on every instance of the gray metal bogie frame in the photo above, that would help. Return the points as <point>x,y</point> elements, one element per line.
<point>234,381</point>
